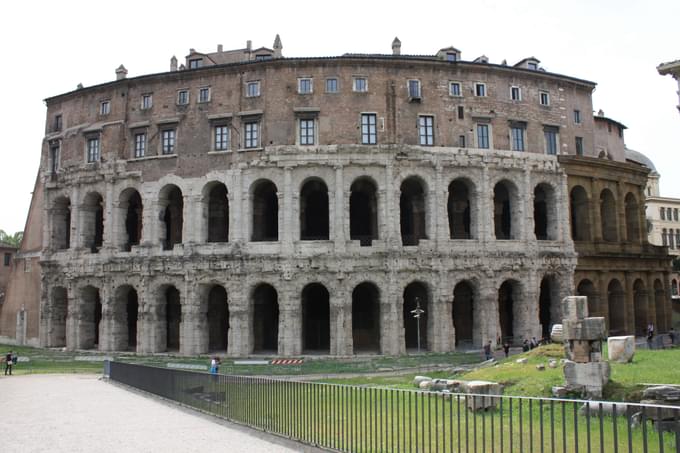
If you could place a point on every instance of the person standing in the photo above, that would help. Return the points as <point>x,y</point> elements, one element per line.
<point>487,351</point>
<point>506,348</point>
<point>8,363</point>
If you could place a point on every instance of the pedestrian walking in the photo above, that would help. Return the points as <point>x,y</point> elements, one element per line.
<point>9,362</point>
<point>487,351</point>
<point>506,348</point>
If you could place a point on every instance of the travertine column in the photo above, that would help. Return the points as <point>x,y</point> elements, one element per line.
<point>391,319</point>
<point>109,239</point>
<point>194,325</point>
<point>488,309</point>
<point>290,325</point>
<point>287,205</point>
<point>594,206</point>
<point>629,307</point>
<point>341,323</point>
<point>337,231</point>
<point>390,230</point>
<point>526,203</point>
<point>239,334</point>
<point>442,335</point>
<point>236,214</point>
<point>485,210</point>
<point>621,213</point>
<point>192,218</point>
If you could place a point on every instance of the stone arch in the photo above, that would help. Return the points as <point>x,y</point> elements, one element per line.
<point>616,306</point>
<point>316,319</point>
<point>580,214</point>
<point>463,311</point>
<point>632,218</point>
<point>216,212</point>
<point>171,203</point>
<point>508,301</point>
<point>366,318</point>
<point>545,212</point>
<point>549,310</point>
<point>131,211</point>
<point>217,316</point>
<point>587,288</point>
<point>460,208</point>
<point>57,319</point>
<point>265,319</point>
<point>125,315</point>
<point>640,306</point>
<point>416,293</point>
<point>61,223</point>
<point>92,223</point>
<point>608,216</point>
<point>413,211</point>
<point>506,210</point>
<point>265,211</point>
<point>314,210</point>
<point>363,211</point>
<point>89,318</point>
<point>659,306</point>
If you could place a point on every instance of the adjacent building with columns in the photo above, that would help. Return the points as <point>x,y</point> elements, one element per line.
<point>246,203</point>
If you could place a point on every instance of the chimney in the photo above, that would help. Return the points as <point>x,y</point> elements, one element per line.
<point>173,64</point>
<point>277,47</point>
<point>80,86</point>
<point>249,45</point>
<point>121,72</point>
<point>396,46</point>
<point>219,48</point>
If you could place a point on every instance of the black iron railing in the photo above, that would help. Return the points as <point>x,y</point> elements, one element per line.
<point>363,419</point>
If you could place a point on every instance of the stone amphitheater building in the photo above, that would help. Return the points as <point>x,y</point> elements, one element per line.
<point>246,203</point>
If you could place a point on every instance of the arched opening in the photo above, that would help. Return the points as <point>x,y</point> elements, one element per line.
<point>458,207</point>
<point>173,318</point>
<point>89,319</point>
<point>316,319</point>
<point>218,319</point>
<point>415,328</point>
<point>545,213</point>
<point>587,288</point>
<point>659,306</point>
<point>412,211</point>
<point>549,311</point>
<point>363,211</point>
<point>265,212</point>
<point>616,306</point>
<point>580,215</point>
<point>366,318</point>
<point>632,218</point>
<point>504,211</point>
<point>57,320</point>
<point>507,294</point>
<point>131,204</point>
<point>640,302</point>
<point>93,222</point>
<point>608,216</point>
<point>463,313</point>
<point>218,214</point>
<point>265,320</point>
<point>172,204</point>
<point>61,224</point>
<point>314,211</point>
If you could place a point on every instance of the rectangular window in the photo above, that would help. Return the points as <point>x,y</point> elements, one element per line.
<point>515,94</point>
<point>331,85</point>
<point>253,89</point>
<point>182,97</point>
<point>480,89</point>
<point>360,84</point>
<point>675,214</point>
<point>305,85</point>
<point>147,101</point>
<point>263,57</point>
<point>56,127</point>
<point>204,94</point>
<point>369,134</point>
<point>306,131</point>
<point>532,66</point>
<point>93,149</point>
<point>517,137</point>
<point>140,144</point>
<point>168,141</point>
<point>577,117</point>
<point>414,89</point>
<point>461,141</point>
<point>252,136</point>
<point>426,130</point>
<point>662,213</point>
<point>579,146</point>
<point>105,107</point>
<point>54,158</point>
<point>221,137</point>
<point>461,112</point>
<point>483,136</point>
<point>8,259</point>
<point>668,214</point>
<point>671,239</point>
<point>544,98</point>
<point>664,237</point>
<point>450,56</point>
<point>196,63</point>
<point>550,134</point>
<point>454,89</point>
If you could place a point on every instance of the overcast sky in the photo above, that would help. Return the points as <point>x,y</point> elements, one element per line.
<point>49,49</point>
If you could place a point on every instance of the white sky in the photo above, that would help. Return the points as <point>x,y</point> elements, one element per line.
<point>49,48</point>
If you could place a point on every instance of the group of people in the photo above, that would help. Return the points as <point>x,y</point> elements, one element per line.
<point>529,345</point>
<point>10,360</point>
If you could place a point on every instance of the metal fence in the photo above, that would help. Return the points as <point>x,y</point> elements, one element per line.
<point>366,419</point>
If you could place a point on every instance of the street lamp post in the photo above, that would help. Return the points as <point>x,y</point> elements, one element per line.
<point>416,314</point>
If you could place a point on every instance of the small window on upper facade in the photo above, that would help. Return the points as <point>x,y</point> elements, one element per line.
<point>168,138</point>
<point>54,157</point>
<point>263,57</point>
<point>662,213</point>
<point>668,214</point>
<point>221,137</point>
<point>305,85</point>
<point>461,112</point>
<point>105,107</point>
<point>480,89</point>
<point>204,94</point>
<point>360,84</point>
<point>8,259</point>
<point>577,117</point>
<point>579,146</point>
<point>483,136</point>
<point>252,135</point>
<point>140,144</point>
<point>182,97</point>
<point>253,89</point>
<point>426,130</point>
<point>461,141</point>
<point>675,214</point>
<point>56,126</point>
<point>369,134</point>
<point>620,132</point>
<point>93,151</point>
<point>544,97</point>
<point>515,93</point>
<point>454,89</point>
<point>550,134</point>
<point>332,85</point>
<point>147,101</point>
<point>414,89</point>
<point>195,63</point>
<point>451,56</point>
<point>517,137</point>
<point>307,131</point>
<point>532,65</point>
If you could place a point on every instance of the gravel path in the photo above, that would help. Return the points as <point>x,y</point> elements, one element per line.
<point>80,413</point>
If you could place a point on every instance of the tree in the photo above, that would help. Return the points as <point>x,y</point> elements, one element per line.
<point>12,239</point>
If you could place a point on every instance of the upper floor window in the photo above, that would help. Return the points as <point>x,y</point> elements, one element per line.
<point>532,65</point>
<point>360,84</point>
<point>140,144</point>
<point>550,134</point>
<point>668,214</point>
<point>544,97</point>
<point>517,137</point>
<point>662,213</point>
<point>579,146</point>
<point>332,85</point>
<point>56,125</point>
<point>252,134</point>
<point>7,259</point>
<point>515,93</point>
<point>369,132</point>
<point>461,141</point>
<point>221,137</point>
<point>454,89</point>
<point>204,94</point>
<point>675,214</point>
<point>305,85</point>
<point>577,117</point>
<point>414,89</point>
<point>168,138</point>
<point>93,151</point>
<point>664,237</point>
<point>483,136</point>
<point>426,130</point>
<point>147,101</point>
<point>307,131</point>
<point>480,89</point>
<point>182,97</point>
<point>195,63</point>
<point>105,107</point>
<point>54,157</point>
<point>451,56</point>
<point>253,89</point>
<point>263,57</point>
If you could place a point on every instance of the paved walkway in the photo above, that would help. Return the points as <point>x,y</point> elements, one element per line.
<point>80,413</point>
